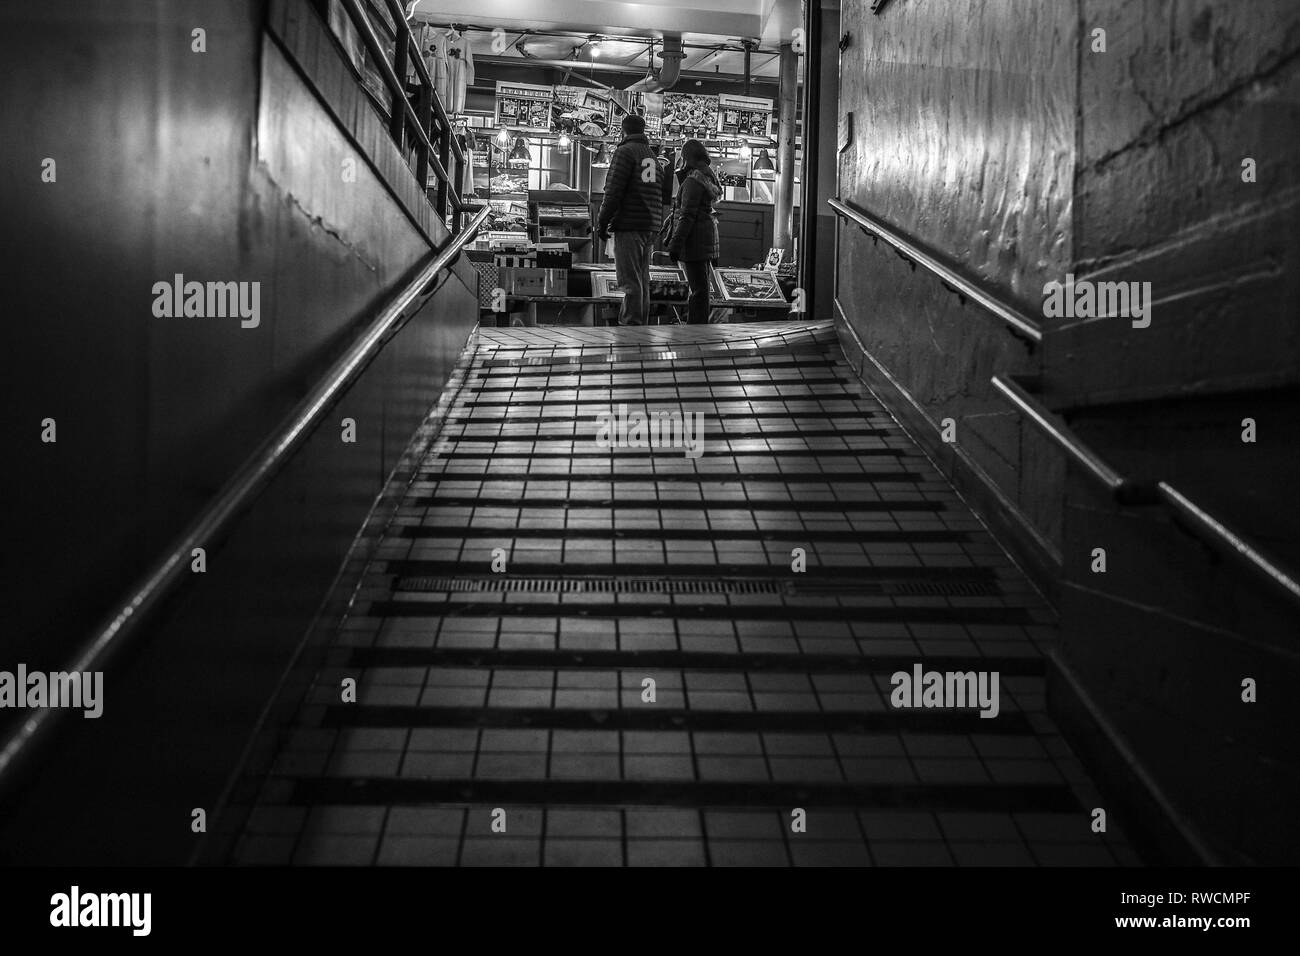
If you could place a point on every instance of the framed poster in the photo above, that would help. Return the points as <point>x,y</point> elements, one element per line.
<point>524,106</point>
<point>508,182</point>
<point>715,285</point>
<point>652,111</point>
<point>508,216</point>
<point>689,115</point>
<point>748,117</point>
<point>605,284</point>
<point>648,106</point>
<point>580,112</point>
<point>668,284</point>
<point>749,285</point>
<point>732,172</point>
<point>773,260</point>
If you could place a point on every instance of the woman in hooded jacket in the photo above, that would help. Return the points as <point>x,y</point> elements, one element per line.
<point>694,239</point>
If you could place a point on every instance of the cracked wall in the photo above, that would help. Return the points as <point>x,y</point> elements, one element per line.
<point>1184,93</point>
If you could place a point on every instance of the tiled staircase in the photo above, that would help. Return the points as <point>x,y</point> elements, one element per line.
<point>504,716</point>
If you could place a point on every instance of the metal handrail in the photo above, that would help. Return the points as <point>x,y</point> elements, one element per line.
<point>1013,317</point>
<point>1199,522</point>
<point>1115,484</point>
<point>1227,542</point>
<point>239,492</point>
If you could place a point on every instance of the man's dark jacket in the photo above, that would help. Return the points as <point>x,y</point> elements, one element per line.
<point>631,204</point>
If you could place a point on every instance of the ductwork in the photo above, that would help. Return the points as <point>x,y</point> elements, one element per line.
<point>669,73</point>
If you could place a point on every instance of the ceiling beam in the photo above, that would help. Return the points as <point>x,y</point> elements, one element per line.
<point>587,68</point>
<point>738,18</point>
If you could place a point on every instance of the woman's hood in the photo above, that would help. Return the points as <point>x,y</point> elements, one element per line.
<point>706,177</point>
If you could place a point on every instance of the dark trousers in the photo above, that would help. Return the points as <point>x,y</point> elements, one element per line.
<point>697,306</point>
<point>632,263</point>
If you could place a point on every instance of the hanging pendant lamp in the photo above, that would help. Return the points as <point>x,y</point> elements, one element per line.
<point>519,155</point>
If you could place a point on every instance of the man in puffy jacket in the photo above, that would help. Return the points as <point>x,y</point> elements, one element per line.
<point>632,210</point>
<point>694,241</point>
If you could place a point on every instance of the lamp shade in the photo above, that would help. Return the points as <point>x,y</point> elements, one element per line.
<point>602,158</point>
<point>519,155</point>
<point>764,163</point>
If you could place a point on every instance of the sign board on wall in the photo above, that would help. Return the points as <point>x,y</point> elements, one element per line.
<point>749,117</point>
<point>525,106</point>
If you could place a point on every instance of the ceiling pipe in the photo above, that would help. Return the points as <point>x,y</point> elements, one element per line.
<point>669,73</point>
<point>570,76</point>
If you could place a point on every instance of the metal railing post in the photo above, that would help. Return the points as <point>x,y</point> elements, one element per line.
<point>397,122</point>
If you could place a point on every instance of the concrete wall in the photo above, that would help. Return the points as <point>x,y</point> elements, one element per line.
<point>996,134</point>
<point>1183,93</point>
<point>964,139</point>
<point>222,165</point>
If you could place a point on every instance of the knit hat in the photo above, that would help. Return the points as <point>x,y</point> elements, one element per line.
<point>633,125</point>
